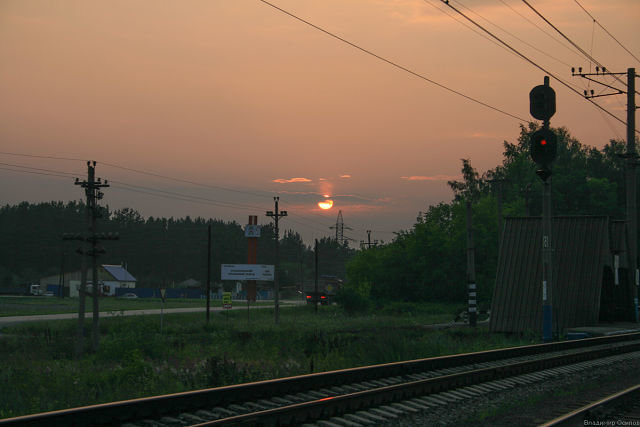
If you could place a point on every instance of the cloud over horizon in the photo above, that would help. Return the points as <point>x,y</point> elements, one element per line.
<point>290,180</point>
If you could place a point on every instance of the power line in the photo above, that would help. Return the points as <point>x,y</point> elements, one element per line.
<point>567,85</point>
<point>186,196</point>
<point>586,55</point>
<point>138,188</point>
<point>455,18</point>
<point>606,31</point>
<point>157,175</point>
<point>540,28</point>
<point>394,64</point>
<point>60,173</point>
<point>40,157</point>
<point>33,172</point>
<point>515,37</point>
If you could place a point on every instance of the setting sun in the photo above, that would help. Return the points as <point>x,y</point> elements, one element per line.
<point>325,204</point>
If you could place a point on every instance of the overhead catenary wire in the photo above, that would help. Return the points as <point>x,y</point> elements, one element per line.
<point>524,57</point>
<point>392,63</point>
<point>546,33</point>
<point>581,50</point>
<point>607,31</point>
<point>515,36</point>
<point>464,24</point>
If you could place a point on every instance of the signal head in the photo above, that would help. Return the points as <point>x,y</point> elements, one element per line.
<point>544,147</point>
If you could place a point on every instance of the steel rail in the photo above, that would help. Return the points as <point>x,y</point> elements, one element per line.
<point>578,416</point>
<point>331,407</point>
<point>158,406</point>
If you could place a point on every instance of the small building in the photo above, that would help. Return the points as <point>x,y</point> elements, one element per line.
<point>114,277</point>
<point>590,278</point>
<point>110,277</point>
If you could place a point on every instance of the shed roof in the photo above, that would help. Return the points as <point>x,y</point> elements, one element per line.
<point>119,273</point>
<point>581,251</point>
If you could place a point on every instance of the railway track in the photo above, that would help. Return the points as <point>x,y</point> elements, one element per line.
<point>618,409</point>
<point>358,396</point>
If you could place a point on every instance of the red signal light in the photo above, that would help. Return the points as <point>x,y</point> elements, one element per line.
<point>543,142</point>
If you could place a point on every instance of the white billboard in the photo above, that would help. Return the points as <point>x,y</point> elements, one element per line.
<point>247,272</point>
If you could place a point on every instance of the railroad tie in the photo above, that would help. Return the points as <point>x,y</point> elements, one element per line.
<point>358,419</point>
<point>383,413</point>
<point>341,421</point>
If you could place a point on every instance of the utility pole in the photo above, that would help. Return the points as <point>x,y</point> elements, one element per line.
<point>631,162</point>
<point>369,243</point>
<point>316,298</point>
<point>471,267</point>
<point>499,182</point>
<point>92,191</point>
<point>208,270</point>
<point>276,215</point>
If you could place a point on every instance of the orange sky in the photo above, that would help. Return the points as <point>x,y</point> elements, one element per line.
<point>235,94</point>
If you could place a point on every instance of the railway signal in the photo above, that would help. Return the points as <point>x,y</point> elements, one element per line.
<point>543,149</point>
<point>542,102</point>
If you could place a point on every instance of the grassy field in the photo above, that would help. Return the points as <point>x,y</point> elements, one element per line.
<point>38,370</point>
<point>22,306</point>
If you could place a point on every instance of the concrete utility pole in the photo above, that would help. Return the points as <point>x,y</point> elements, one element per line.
<point>631,162</point>
<point>499,182</point>
<point>92,191</point>
<point>208,270</point>
<point>316,277</point>
<point>276,215</point>
<point>471,267</point>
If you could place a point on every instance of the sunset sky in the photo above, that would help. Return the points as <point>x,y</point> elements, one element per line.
<point>237,101</point>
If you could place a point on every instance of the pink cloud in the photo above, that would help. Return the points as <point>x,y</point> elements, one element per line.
<point>345,176</point>
<point>287,181</point>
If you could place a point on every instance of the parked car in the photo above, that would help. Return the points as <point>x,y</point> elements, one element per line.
<point>49,294</point>
<point>129,295</point>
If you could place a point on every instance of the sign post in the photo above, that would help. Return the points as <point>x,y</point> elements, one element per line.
<point>162,295</point>
<point>252,232</point>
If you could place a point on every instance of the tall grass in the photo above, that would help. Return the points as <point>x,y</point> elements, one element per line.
<point>38,371</point>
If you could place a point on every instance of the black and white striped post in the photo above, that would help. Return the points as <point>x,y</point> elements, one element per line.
<point>471,269</point>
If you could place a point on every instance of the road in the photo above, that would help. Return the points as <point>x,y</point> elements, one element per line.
<point>11,320</point>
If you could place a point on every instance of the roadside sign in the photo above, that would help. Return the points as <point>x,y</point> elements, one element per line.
<point>247,272</point>
<point>226,300</point>
<point>252,230</point>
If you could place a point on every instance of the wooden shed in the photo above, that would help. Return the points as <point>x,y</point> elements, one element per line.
<point>589,254</point>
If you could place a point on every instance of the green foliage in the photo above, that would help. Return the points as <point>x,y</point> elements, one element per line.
<point>428,262</point>
<point>39,372</point>
<point>353,301</point>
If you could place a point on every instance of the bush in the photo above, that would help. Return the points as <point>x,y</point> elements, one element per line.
<point>352,301</point>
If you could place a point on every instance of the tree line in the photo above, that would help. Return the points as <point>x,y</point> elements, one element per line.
<point>159,252</point>
<point>428,262</point>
